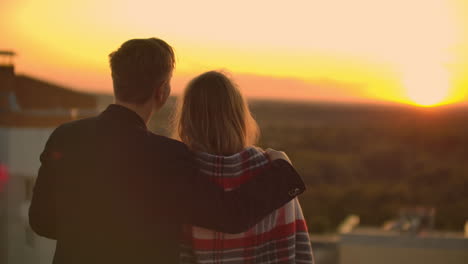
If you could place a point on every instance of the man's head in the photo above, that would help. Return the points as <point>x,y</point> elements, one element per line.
<point>141,71</point>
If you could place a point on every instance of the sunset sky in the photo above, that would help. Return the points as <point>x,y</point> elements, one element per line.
<point>410,51</point>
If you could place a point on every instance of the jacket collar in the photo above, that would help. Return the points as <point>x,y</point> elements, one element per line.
<point>124,116</point>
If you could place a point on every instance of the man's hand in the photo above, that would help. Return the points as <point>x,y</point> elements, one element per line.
<point>275,154</point>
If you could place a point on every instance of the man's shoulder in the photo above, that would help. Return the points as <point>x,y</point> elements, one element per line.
<point>75,126</point>
<point>169,145</point>
<point>70,135</point>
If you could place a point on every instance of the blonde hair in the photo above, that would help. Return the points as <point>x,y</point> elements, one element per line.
<point>214,117</point>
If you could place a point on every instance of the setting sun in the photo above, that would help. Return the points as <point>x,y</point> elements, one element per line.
<point>427,85</point>
<point>427,98</point>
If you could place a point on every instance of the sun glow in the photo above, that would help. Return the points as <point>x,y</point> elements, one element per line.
<point>327,50</point>
<point>428,85</point>
<point>427,98</point>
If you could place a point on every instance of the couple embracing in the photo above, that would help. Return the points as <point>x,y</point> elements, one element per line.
<point>110,191</point>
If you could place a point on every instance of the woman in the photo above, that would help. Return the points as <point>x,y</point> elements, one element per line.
<point>214,120</point>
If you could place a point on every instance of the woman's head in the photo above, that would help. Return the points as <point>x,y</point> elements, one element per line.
<point>213,116</point>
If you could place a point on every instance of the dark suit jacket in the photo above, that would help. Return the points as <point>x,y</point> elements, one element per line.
<point>110,191</point>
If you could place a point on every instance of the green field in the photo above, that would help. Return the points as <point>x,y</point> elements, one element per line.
<point>368,160</point>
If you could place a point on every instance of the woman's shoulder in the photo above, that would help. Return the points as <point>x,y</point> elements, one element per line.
<point>247,153</point>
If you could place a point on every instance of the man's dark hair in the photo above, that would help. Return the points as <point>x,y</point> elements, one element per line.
<point>138,66</point>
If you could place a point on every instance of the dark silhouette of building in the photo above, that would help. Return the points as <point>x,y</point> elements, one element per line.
<point>27,101</point>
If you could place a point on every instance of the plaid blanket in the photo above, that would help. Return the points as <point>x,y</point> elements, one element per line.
<point>281,237</point>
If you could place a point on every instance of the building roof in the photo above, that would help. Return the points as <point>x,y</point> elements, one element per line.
<point>36,94</point>
<point>29,102</point>
<point>7,53</point>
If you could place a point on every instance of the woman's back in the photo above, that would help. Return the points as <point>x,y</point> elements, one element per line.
<point>281,237</point>
<point>213,117</point>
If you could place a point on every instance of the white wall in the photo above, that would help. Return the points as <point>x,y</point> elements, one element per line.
<point>20,149</point>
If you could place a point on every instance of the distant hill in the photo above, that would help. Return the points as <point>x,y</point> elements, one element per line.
<point>369,160</point>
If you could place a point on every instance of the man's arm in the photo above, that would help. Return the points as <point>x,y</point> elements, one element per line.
<point>209,206</point>
<point>42,211</point>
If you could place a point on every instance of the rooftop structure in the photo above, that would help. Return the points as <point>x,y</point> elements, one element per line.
<point>6,57</point>
<point>374,245</point>
<point>408,240</point>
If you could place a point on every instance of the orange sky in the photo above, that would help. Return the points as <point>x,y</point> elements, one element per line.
<point>406,51</point>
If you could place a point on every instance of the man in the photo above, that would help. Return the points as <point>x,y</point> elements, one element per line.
<point>110,191</point>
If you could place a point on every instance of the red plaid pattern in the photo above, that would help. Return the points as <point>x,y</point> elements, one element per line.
<point>281,237</point>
